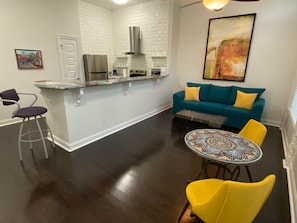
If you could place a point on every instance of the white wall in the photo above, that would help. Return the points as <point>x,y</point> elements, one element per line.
<point>289,133</point>
<point>106,31</point>
<point>33,24</point>
<point>96,30</point>
<point>273,53</point>
<point>153,19</point>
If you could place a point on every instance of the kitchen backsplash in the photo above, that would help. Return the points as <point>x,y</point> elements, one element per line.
<point>107,32</point>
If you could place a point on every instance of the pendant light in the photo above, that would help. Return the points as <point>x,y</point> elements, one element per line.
<point>215,5</point>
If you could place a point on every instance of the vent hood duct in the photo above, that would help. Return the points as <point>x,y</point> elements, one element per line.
<point>135,38</point>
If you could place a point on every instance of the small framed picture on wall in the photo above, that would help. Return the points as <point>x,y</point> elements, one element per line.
<point>29,59</point>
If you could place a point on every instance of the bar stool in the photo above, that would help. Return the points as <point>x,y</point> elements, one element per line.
<point>11,97</point>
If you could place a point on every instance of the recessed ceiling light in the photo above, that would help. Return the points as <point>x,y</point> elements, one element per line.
<point>120,1</point>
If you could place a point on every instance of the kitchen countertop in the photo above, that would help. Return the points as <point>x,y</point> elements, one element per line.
<point>112,80</point>
<point>57,85</point>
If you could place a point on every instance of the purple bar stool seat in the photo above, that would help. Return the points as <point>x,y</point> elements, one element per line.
<point>30,112</point>
<point>11,97</point>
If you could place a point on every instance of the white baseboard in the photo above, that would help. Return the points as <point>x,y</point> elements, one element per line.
<point>9,121</point>
<point>99,135</point>
<point>271,122</point>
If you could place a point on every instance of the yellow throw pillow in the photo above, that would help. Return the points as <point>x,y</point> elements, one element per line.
<point>192,93</point>
<point>245,100</point>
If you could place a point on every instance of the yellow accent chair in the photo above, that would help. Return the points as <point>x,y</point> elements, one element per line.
<point>224,201</point>
<point>256,132</point>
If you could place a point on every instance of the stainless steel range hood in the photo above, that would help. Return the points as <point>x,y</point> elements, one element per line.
<point>135,41</point>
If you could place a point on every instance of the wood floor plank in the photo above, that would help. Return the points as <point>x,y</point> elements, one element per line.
<point>137,175</point>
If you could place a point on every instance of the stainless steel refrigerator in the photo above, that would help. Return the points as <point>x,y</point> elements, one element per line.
<point>96,67</point>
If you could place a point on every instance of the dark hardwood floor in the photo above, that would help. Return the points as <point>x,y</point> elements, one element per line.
<point>137,175</point>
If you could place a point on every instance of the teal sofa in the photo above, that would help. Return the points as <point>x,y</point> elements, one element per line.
<point>219,100</point>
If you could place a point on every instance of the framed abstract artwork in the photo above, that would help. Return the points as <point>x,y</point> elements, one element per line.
<point>228,46</point>
<point>29,59</point>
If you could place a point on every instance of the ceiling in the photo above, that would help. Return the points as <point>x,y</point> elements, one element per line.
<point>187,2</point>
<point>108,4</point>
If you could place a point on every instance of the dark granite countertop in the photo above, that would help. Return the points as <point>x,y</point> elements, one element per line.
<point>113,80</point>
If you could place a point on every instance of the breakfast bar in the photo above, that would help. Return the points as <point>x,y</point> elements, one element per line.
<point>79,114</point>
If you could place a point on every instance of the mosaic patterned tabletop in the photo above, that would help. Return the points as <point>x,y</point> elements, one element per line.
<point>222,146</point>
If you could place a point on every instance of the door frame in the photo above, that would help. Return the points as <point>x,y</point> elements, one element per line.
<point>60,37</point>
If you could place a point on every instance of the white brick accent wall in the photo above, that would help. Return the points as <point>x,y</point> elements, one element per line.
<point>106,31</point>
<point>96,30</point>
<point>153,19</point>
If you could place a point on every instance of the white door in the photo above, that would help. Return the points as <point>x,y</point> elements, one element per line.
<point>70,59</point>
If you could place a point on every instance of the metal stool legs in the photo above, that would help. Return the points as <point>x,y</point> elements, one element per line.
<point>19,140</point>
<point>42,138</point>
<point>22,135</point>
